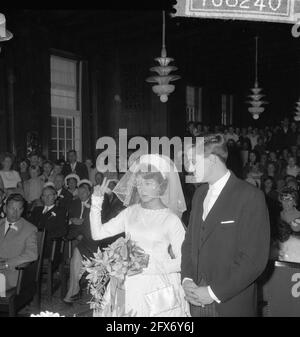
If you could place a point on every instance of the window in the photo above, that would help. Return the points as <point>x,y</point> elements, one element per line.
<point>226,109</point>
<point>65,107</point>
<point>193,104</point>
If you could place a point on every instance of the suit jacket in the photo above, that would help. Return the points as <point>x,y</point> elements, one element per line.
<point>17,247</point>
<point>75,212</point>
<point>229,257</point>
<point>64,199</point>
<point>55,221</point>
<point>80,170</point>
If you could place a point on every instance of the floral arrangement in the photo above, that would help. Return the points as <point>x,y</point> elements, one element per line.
<point>47,314</point>
<point>107,271</point>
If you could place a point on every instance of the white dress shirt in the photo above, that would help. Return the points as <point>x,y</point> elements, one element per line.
<point>73,166</point>
<point>47,208</point>
<point>11,227</point>
<point>213,193</point>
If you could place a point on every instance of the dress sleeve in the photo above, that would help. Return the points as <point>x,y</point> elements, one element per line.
<point>113,227</point>
<point>176,234</point>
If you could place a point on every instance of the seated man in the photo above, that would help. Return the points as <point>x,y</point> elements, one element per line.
<point>87,246</point>
<point>51,217</point>
<point>18,240</point>
<point>79,208</point>
<point>64,197</point>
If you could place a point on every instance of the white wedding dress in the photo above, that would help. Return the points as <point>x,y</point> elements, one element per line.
<point>154,231</point>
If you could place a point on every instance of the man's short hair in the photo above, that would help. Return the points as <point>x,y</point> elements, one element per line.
<point>215,143</point>
<point>16,197</point>
<point>74,151</point>
<point>50,188</point>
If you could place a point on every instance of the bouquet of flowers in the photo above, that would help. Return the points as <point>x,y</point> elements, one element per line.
<point>47,314</point>
<point>107,271</point>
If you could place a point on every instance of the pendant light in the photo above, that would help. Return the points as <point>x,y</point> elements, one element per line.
<point>162,87</point>
<point>256,95</point>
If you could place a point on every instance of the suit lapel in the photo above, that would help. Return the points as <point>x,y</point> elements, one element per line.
<point>213,218</point>
<point>2,229</point>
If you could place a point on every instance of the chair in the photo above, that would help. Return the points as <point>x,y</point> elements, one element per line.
<point>54,264</point>
<point>28,283</point>
<point>281,289</point>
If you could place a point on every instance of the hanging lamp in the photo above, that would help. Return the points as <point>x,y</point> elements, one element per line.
<point>256,95</point>
<point>5,34</point>
<point>297,112</point>
<point>163,77</point>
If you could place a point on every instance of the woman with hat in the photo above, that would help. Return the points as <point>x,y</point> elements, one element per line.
<point>71,183</point>
<point>289,227</point>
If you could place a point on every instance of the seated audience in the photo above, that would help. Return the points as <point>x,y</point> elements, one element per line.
<point>18,240</point>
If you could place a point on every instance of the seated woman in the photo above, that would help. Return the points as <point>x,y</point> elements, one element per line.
<point>71,183</point>
<point>33,187</point>
<point>9,178</point>
<point>288,235</point>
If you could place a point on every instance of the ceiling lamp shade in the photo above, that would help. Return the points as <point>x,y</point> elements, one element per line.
<point>162,88</point>
<point>256,97</point>
<point>297,113</point>
<point>5,34</point>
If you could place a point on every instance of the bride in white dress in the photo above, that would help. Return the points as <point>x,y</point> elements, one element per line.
<point>152,191</point>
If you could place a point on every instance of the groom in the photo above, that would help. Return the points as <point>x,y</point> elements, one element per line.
<point>226,246</point>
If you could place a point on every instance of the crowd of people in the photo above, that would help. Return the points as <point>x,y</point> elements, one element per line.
<point>268,158</point>
<point>58,197</point>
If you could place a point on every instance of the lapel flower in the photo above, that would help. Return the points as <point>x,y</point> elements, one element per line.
<point>53,214</point>
<point>61,196</point>
<point>87,205</point>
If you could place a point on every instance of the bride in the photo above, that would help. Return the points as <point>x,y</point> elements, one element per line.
<point>152,191</point>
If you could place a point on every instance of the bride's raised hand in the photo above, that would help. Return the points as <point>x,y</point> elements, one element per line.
<point>99,191</point>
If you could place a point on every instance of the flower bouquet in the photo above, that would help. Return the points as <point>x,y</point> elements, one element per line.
<point>107,271</point>
<point>47,314</point>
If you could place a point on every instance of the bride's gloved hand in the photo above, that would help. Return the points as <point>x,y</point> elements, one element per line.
<point>99,191</point>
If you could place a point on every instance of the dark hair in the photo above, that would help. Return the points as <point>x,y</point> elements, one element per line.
<point>8,155</point>
<point>16,197</point>
<point>74,151</point>
<point>51,188</point>
<point>48,162</point>
<point>34,167</point>
<point>216,144</point>
<point>151,172</point>
<point>86,185</point>
<point>285,231</point>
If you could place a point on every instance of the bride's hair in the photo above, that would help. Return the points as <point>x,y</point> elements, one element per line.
<point>151,172</point>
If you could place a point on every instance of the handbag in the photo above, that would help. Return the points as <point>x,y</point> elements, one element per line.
<point>162,299</point>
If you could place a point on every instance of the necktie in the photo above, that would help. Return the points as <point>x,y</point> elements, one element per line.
<point>8,229</point>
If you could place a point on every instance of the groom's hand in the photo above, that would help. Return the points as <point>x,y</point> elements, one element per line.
<point>190,296</point>
<point>202,295</point>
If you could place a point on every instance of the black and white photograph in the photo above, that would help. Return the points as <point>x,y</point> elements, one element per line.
<point>150,163</point>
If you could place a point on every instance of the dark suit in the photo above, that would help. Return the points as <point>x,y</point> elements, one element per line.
<point>64,199</point>
<point>75,210</point>
<point>111,207</point>
<point>80,170</point>
<point>228,257</point>
<point>54,221</point>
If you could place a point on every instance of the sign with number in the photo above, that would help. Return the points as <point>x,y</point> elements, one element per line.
<point>287,11</point>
